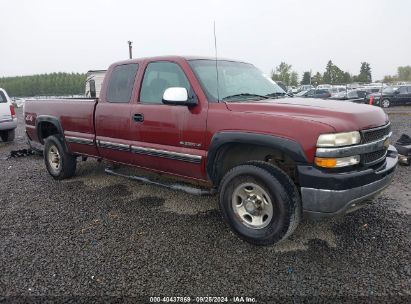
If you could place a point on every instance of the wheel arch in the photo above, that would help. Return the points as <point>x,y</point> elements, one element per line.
<point>224,142</point>
<point>47,125</point>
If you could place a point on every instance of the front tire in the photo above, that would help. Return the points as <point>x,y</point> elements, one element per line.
<point>260,203</point>
<point>8,135</point>
<point>59,163</point>
<point>385,103</point>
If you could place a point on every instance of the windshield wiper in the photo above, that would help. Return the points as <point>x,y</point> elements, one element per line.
<point>276,94</point>
<point>245,95</point>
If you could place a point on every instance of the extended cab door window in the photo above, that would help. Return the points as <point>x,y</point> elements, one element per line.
<point>158,77</point>
<point>121,83</point>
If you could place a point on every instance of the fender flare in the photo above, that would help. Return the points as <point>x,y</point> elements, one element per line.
<point>290,147</point>
<point>51,119</point>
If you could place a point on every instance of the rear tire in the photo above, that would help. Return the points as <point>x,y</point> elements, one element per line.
<point>8,135</point>
<point>260,203</point>
<point>59,163</point>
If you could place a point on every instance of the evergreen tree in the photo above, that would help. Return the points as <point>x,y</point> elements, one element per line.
<point>44,84</point>
<point>306,78</point>
<point>365,73</point>
<point>317,79</point>
<point>328,72</point>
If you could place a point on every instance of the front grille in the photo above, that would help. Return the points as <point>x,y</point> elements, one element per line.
<point>373,157</point>
<point>375,134</point>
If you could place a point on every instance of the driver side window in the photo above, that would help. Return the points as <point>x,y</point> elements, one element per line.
<point>158,77</point>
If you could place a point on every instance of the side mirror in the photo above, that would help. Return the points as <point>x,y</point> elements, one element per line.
<point>396,92</point>
<point>178,96</point>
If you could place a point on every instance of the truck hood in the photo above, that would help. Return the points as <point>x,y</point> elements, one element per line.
<point>340,115</point>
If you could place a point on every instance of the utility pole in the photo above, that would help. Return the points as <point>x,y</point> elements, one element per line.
<point>310,76</point>
<point>130,49</point>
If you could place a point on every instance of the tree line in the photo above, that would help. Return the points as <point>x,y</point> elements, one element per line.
<point>44,84</point>
<point>403,74</point>
<point>332,75</point>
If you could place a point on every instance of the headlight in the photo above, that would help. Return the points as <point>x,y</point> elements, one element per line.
<point>339,139</point>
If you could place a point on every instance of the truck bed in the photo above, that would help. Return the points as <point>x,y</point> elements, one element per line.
<point>74,114</point>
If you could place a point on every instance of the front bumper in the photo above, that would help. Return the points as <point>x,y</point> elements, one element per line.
<point>8,124</point>
<point>326,194</point>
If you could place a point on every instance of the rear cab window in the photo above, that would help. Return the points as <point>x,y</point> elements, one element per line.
<point>121,83</point>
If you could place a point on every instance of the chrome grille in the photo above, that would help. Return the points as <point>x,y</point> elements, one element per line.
<point>372,135</point>
<point>373,157</point>
<point>375,134</point>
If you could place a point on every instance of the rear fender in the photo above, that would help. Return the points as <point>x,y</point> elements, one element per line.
<point>50,119</point>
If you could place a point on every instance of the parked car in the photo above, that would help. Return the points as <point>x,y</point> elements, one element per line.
<point>391,96</point>
<point>315,93</point>
<point>8,119</point>
<point>337,89</point>
<point>304,87</point>
<point>370,89</point>
<point>271,157</point>
<point>324,86</point>
<point>357,96</point>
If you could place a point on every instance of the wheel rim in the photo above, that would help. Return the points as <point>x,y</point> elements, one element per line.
<point>385,103</point>
<point>252,206</point>
<point>53,157</point>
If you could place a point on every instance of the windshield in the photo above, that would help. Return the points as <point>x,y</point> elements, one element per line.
<point>237,81</point>
<point>353,94</point>
<point>389,90</point>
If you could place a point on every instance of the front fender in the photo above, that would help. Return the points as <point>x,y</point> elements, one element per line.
<point>289,147</point>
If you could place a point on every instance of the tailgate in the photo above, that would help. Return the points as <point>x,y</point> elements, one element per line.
<point>5,114</point>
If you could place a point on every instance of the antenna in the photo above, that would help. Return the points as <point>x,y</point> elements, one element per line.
<point>216,66</point>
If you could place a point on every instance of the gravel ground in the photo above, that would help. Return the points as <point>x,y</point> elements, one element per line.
<point>97,237</point>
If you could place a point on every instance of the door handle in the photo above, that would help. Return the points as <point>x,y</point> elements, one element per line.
<point>138,117</point>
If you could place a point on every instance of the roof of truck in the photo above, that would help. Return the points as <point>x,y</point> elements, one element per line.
<point>173,57</point>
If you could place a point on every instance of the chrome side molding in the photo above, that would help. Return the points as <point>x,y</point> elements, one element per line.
<point>79,140</point>
<point>115,146</point>
<point>167,154</point>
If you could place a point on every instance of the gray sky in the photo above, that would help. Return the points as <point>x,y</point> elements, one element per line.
<point>75,36</point>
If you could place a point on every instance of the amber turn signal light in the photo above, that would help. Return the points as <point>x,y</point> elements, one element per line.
<point>326,162</point>
<point>337,162</point>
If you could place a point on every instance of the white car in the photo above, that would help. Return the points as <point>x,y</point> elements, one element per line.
<point>8,119</point>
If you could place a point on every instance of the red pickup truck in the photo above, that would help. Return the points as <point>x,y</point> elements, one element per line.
<point>224,124</point>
